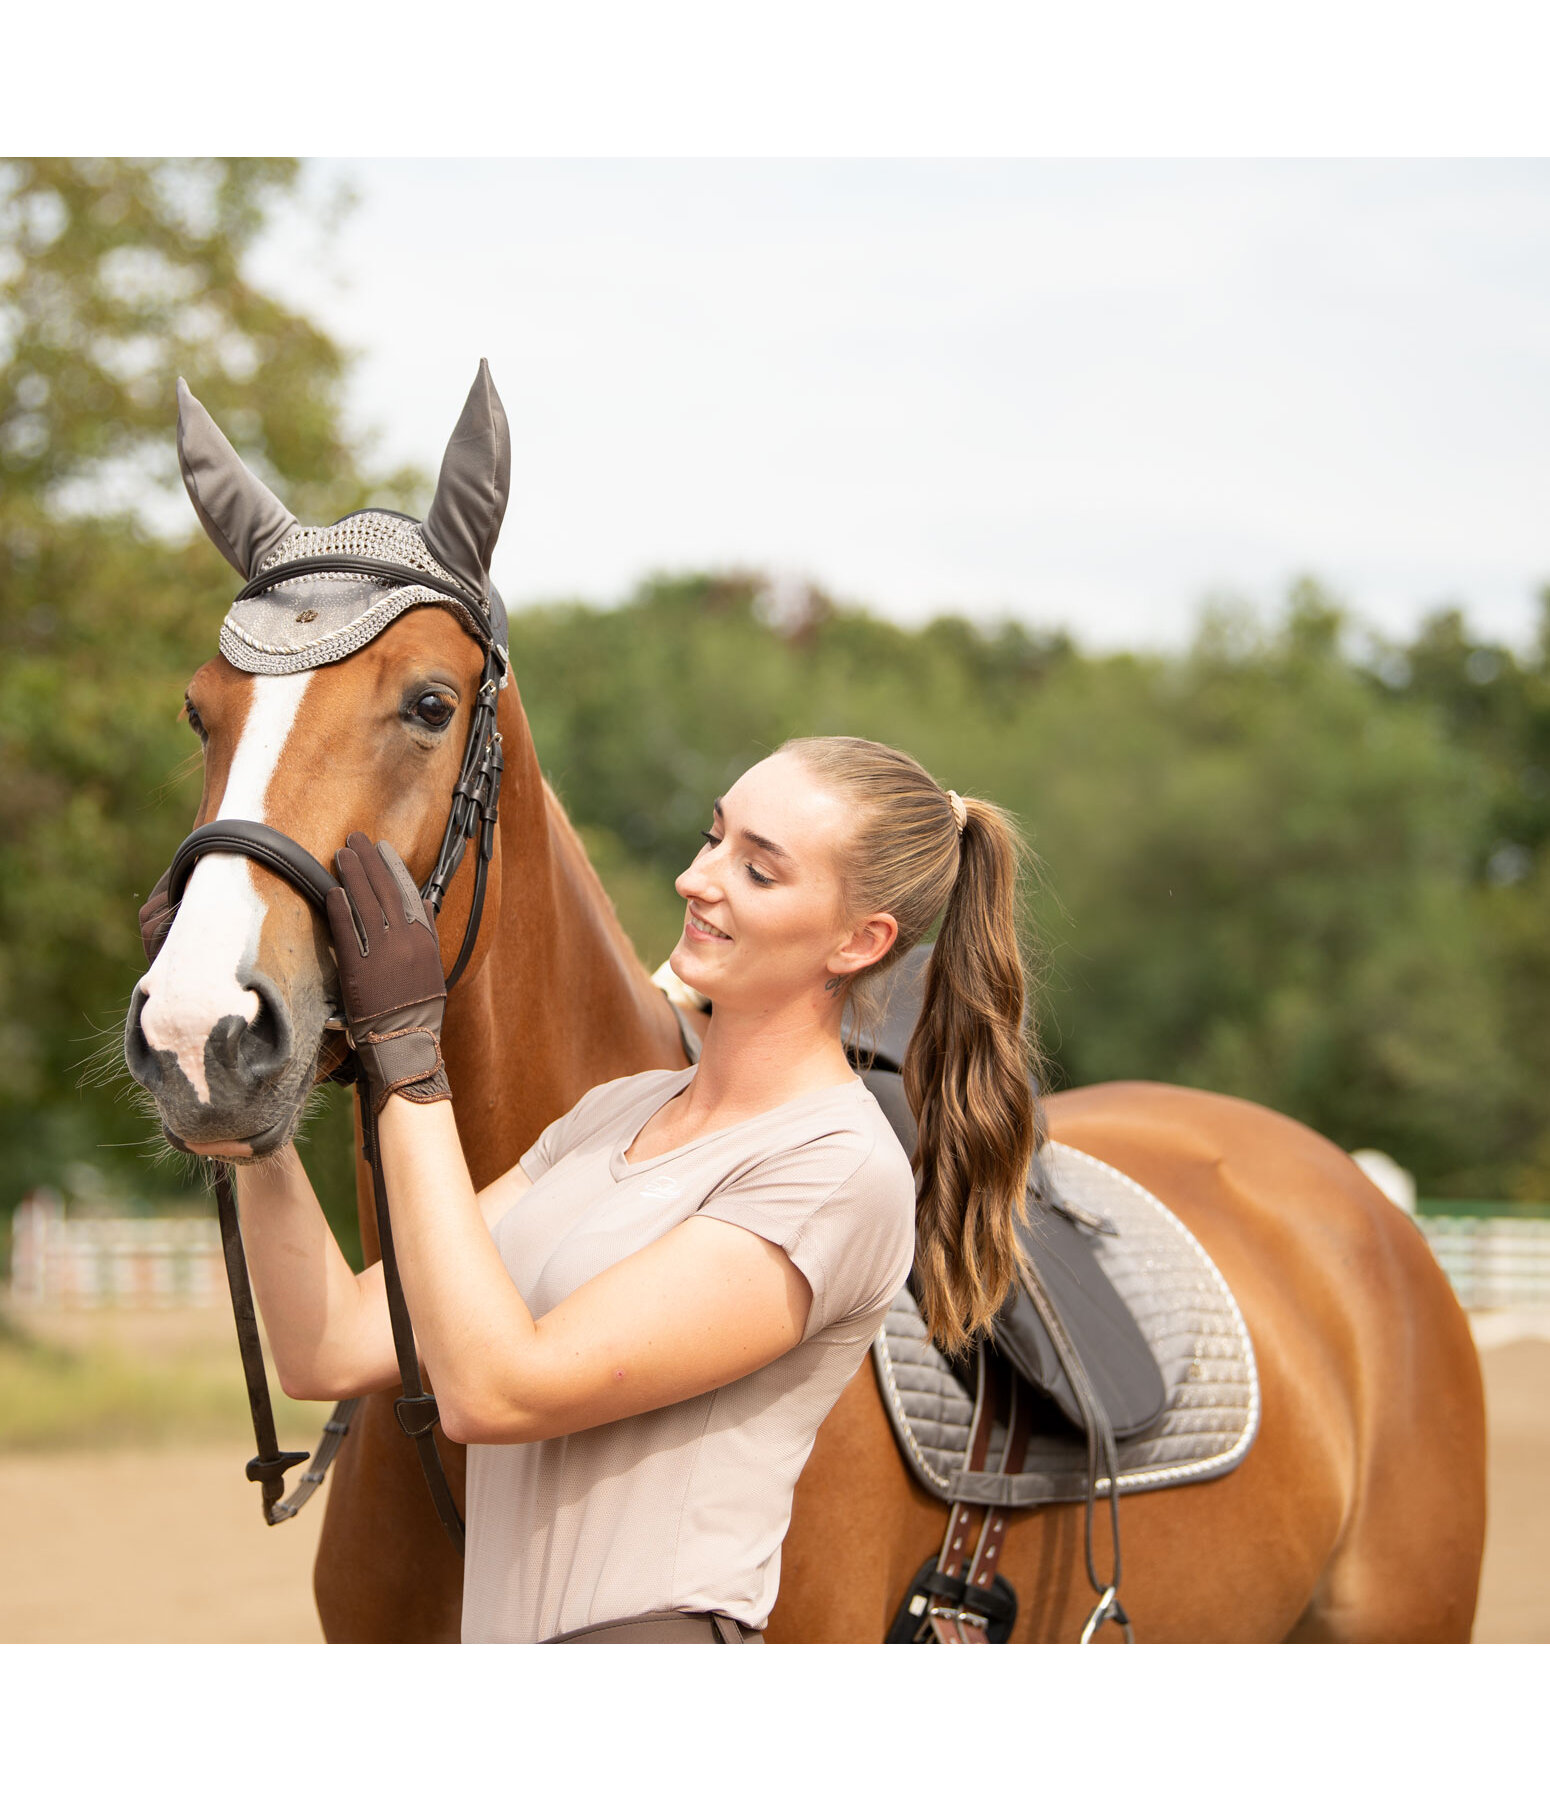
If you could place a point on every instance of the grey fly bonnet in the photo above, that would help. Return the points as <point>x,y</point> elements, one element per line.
<point>280,624</point>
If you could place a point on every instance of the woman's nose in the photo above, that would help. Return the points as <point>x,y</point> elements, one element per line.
<point>696,882</point>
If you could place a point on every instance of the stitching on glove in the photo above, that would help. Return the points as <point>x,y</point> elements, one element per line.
<point>386,1037</point>
<point>400,1005</point>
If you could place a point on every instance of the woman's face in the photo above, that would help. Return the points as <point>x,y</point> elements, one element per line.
<point>762,924</point>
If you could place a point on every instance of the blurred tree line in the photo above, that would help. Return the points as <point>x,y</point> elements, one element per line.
<point>1295,862</point>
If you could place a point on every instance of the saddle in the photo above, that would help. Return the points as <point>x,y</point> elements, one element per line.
<point>1101,1330</point>
<point>1063,1334</point>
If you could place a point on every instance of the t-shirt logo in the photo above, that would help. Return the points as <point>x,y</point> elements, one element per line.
<point>660,1187</point>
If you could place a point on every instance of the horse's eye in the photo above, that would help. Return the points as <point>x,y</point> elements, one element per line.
<point>191,713</point>
<point>434,710</point>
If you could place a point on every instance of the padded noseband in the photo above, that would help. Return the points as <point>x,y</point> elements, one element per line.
<point>263,844</point>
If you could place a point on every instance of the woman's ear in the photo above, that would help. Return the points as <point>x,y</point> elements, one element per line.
<point>871,940</point>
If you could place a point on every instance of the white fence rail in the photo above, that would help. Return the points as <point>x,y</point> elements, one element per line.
<point>1495,1263</point>
<point>86,1263</point>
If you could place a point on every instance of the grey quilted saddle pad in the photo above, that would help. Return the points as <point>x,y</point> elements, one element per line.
<point>1189,1318</point>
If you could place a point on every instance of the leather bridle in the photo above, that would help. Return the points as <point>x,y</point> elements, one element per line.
<point>475,795</point>
<point>472,819</point>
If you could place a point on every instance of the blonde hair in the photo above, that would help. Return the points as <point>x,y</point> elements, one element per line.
<point>967,1072</point>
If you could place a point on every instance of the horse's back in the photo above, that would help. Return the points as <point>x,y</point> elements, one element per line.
<point>1373,1401</point>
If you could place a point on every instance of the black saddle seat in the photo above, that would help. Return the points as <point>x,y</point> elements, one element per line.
<point>1118,1360</point>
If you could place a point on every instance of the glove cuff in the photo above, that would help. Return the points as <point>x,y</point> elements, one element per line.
<point>407,1061</point>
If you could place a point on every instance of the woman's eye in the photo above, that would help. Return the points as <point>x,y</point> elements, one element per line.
<point>753,874</point>
<point>433,710</point>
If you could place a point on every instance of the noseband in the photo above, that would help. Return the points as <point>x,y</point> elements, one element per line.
<point>472,818</point>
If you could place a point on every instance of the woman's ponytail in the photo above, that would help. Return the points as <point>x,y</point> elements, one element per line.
<point>966,1077</point>
<point>968,1066</point>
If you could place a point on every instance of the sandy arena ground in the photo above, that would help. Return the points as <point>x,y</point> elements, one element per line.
<point>167,1546</point>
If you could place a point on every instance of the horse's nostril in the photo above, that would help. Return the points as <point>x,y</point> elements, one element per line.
<point>137,1052</point>
<point>261,1047</point>
<point>268,1025</point>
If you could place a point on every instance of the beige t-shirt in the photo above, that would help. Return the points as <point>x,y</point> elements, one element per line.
<point>685,1506</point>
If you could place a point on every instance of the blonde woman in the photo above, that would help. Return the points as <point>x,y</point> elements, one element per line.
<point>639,1328</point>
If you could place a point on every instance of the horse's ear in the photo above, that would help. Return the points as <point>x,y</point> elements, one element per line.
<point>465,517</point>
<point>242,517</point>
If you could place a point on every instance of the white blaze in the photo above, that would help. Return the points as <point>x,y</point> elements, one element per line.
<point>193,983</point>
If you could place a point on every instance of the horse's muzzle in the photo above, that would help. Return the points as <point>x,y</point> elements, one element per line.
<point>253,1087</point>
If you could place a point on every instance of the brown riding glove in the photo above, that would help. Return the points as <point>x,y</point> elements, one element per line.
<point>389,973</point>
<point>156,918</point>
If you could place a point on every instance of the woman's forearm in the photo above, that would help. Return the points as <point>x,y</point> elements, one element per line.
<point>320,1333</point>
<point>705,1304</point>
<point>473,1329</point>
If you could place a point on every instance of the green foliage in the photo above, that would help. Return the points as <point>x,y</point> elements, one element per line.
<point>1269,869</point>
<point>101,1391</point>
<point>1282,864</point>
<point>115,277</point>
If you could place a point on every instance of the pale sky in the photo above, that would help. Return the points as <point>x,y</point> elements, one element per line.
<point>1082,393</point>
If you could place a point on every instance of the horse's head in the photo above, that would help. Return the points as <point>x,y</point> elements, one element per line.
<point>341,700</point>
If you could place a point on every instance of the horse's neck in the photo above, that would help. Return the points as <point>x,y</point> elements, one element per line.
<point>559,1000</point>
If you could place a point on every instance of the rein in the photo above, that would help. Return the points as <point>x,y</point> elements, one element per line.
<point>472,819</point>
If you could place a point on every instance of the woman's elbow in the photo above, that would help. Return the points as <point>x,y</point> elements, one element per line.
<point>300,1384</point>
<point>312,1381</point>
<point>456,1426</point>
<point>488,1419</point>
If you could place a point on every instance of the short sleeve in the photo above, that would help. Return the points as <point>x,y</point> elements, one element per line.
<point>596,1107</point>
<point>549,1146</point>
<point>842,1207</point>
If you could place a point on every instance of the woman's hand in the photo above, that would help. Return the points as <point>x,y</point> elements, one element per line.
<point>389,973</point>
<point>156,918</point>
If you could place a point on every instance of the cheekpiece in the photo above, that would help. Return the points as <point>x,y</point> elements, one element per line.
<point>315,618</point>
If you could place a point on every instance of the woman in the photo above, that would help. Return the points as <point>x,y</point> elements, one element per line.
<point>639,1329</point>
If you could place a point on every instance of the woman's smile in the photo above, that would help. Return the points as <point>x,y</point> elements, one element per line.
<point>698,927</point>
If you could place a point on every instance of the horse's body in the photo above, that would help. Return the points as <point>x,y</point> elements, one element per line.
<point>1357,1514</point>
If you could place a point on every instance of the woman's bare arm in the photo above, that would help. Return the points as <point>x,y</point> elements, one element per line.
<point>706,1304</point>
<point>328,1328</point>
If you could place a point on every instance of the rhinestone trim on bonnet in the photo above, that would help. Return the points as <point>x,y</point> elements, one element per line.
<point>263,635</point>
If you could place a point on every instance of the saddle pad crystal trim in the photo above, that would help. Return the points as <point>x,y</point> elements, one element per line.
<point>1188,1316</point>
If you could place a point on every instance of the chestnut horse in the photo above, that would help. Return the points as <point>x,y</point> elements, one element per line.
<point>1359,1512</point>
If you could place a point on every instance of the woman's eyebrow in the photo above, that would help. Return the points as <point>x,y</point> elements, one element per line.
<point>753,837</point>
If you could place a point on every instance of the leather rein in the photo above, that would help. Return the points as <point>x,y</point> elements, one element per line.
<point>472,819</point>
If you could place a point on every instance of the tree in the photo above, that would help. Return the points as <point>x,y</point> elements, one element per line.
<point>1264,863</point>
<point>1278,865</point>
<point>116,277</point>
